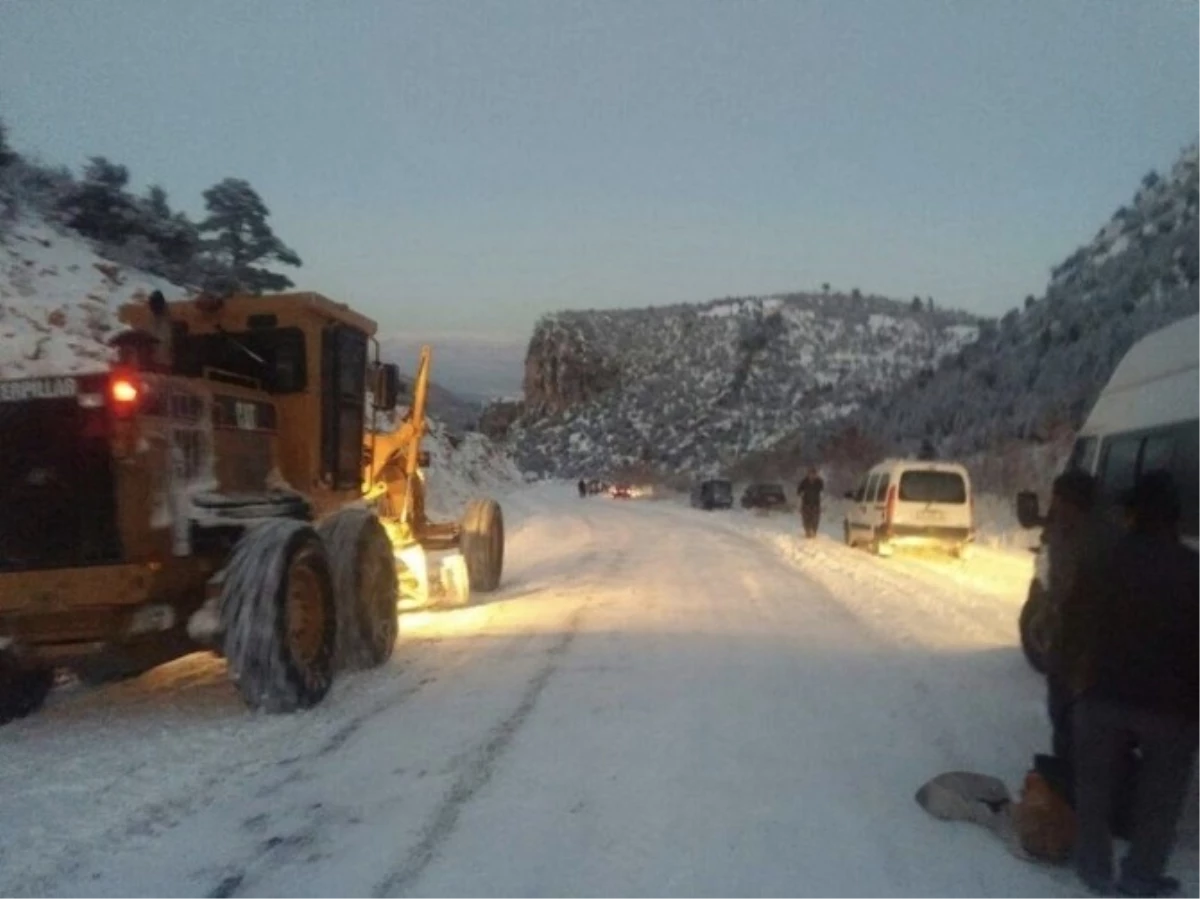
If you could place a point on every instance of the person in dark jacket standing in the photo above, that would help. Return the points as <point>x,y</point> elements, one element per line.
<point>809,492</point>
<point>582,485</point>
<point>1068,523</point>
<point>1133,652</point>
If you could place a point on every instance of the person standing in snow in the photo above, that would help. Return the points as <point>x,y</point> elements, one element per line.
<point>1067,525</point>
<point>809,491</point>
<point>582,488</point>
<point>1131,642</point>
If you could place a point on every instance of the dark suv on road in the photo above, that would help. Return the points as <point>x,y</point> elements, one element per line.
<point>764,496</point>
<point>712,494</point>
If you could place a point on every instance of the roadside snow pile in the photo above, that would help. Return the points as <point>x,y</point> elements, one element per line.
<point>462,468</point>
<point>59,301</point>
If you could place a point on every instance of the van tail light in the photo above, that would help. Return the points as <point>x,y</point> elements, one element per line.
<point>889,511</point>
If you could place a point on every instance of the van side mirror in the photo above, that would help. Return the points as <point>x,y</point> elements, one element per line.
<point>1028,513</point>
<point>386,386</point>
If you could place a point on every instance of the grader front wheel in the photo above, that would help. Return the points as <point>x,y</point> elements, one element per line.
<point>483,544</point>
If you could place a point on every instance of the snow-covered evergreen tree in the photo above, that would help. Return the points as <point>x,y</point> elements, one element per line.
<point>238,240</point>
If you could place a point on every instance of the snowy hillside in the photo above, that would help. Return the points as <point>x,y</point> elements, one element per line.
<point>1040,369</point>
<point>691,387</point>
<point>59,300</point>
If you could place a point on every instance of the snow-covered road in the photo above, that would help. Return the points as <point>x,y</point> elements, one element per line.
<point>659,701</point>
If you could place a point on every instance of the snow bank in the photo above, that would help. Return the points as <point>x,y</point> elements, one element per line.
<point>59,301</point>
<point>464,468</point>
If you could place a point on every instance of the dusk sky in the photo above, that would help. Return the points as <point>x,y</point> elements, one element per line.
<point>464,167</point>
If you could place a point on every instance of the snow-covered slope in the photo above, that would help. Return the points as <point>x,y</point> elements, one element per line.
<point>691,387</point>
<point>59,300</point>
<point>1041,368</point>
<point>464,468</point>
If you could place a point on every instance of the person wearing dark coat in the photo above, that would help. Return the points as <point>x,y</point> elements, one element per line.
<point>1131,652</point>
<point>809,491</point>
<point>582,488</point>
<point>1068,523</point>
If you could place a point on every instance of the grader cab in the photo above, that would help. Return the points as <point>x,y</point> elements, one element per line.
<point>252,495</point>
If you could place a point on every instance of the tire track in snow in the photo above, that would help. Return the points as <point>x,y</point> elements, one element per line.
<point>475,770</point>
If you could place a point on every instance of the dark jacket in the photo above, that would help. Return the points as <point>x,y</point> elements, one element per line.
<point>809,492</point>
<point>1131,631</point>
<point>1066,538</point>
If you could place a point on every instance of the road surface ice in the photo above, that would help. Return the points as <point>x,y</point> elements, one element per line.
<point>659,701</point>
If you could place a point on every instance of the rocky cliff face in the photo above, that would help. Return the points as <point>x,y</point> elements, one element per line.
<point>688,388</point>
<point>563,369</point>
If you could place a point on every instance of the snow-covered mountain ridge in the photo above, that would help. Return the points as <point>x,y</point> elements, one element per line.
<point>1038,370</point>
<point>689,388</point>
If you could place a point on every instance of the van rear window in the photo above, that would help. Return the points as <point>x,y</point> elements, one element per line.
<point>932,487</point>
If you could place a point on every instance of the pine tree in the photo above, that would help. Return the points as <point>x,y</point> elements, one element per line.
<point>241,240</point>
<point>98,206</point>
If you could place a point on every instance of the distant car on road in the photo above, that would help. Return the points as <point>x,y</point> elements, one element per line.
<point>716,493</point>
<point>764,496</point>
<point>622,491</point>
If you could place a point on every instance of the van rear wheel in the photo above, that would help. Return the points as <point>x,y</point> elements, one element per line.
<point>1036,625</point>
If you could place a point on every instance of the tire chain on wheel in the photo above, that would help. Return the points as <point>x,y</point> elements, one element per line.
<point>254,614</point>
<point>350,537</point>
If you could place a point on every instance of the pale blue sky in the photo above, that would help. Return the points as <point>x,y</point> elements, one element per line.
<point>463,167</point>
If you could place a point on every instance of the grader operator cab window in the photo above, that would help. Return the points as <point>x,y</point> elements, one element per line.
<point>343,393</point>
<point>271,359</point>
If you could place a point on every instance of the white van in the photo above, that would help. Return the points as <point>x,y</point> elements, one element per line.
<point>912,502</point>
<point>1147,418</point>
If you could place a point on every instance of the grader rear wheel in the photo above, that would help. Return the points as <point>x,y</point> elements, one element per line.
<point>22,690</point>
<point>279,617</point>
<point>483,544</point>
<point>365,586</point>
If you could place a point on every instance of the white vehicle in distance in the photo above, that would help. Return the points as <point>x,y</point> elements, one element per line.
<point>912,503</point>
<point>1145,419</point>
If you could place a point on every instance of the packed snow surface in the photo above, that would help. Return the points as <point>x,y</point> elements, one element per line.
<point>659,701</point>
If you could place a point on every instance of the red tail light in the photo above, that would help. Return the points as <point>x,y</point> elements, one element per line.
<point>124,392</point>
<point>890,510</point>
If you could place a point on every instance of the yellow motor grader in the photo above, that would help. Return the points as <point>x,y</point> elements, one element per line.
<point>248,491</point>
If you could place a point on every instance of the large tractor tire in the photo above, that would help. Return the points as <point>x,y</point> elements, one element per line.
<point>279,617</point>
<point>365,587</point>
<point>1037,627</point>
<point>483,544</point>
<point>22,691</point>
